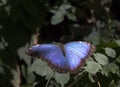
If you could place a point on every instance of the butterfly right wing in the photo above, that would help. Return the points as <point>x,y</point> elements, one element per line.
<point>50,53</point>
<point>76,53</point>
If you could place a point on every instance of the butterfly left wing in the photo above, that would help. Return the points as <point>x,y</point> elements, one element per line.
<point>51,53</point>
<point>76,53</point>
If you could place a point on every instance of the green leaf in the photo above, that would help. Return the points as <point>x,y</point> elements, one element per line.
<point>92,67</point>
<point>118,59</point>
<point>58,17</point>
<point>91,78</point>
<point>110,68</point>
<point>101,59</point>
<point>1,70</point>
<point>94,37</point>
<point>65,7</point>
<point>115,23</point>
<point>40,67</point>
<point>62,78</point>
<point>71,16</point>
<point>110,52</point>
<point>79,74</point>
<point>23,55</point>
<point>16,78</point>
<point>117,42</point>
<point>30,78</point>
<point>7,9</point>
<point>4,1</point>
<point>114,69</point>
<point>118,83</point>
<point>26,86</point>
<point>112,83</point>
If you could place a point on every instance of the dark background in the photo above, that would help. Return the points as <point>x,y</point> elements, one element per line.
<point>95,21</point>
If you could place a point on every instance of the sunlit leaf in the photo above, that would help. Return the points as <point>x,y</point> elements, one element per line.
<point>114,68</point>
<point>71,16</point>
<point>118,59</point>
<point>65,6</point>
<point>7,9</point>
<point>105,70</point>
<point>105,34</point>
<point>91,78</point>
<point>3,43</point>
<point>100,24</point>
<point>30,78</point>
<point>0,61</point>
<point>1,70</point>
<point>23,55</point>
<point>94,37</point>
<point>58,17</point>
<point>26,86</point>
<point>112,83</point>
<point>79,74</point>
<point>115,23</point>
<point>92,67</point>
<point>118,83</point>
<point>7,76</point>
<point>110,68</point>
<point>101,58</point>
<point>16,78</point>
<point>110,52</point>
<point>40,67</point>
<point>117,42</point>
<point>4,1</point>
<point>104,2</point>
<point>62,78</point>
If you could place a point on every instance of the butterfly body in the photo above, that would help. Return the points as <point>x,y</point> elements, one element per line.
<point>64,58</point>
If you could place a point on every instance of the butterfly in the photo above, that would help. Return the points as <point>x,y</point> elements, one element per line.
<point>64,58</point>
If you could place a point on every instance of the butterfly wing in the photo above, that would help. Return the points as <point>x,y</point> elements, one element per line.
<point>76,52</point>
<point>50,53</point>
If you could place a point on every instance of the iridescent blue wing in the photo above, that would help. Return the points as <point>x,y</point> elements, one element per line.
<point>76,53</point>
<point>50,53</point>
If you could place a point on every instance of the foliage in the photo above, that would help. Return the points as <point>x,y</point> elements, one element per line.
<point>58,21</point>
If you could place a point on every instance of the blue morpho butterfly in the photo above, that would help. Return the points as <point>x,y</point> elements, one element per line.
<point>64,58</point>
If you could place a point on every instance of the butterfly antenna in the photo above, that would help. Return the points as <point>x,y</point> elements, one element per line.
<point>51,75</point>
